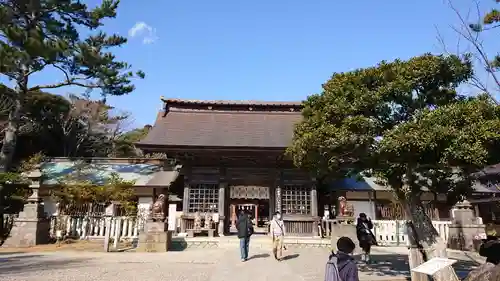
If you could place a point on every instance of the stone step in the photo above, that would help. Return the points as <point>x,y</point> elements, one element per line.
<point>255,242</point>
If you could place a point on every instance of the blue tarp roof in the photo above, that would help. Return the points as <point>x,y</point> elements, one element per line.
<point>55,172</point>
<point>370,184</point>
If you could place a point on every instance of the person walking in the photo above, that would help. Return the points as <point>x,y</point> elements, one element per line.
<point>365,236</point>
<point>245,230</point>
<point>278,233</point>
<point>341,265</point>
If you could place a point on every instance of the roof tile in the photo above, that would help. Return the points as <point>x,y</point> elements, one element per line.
<point>259,127</point>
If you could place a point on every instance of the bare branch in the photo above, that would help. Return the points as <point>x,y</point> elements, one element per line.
<point>478,51</point>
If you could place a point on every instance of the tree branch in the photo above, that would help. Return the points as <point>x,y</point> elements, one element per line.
<point>70,82</point>
<point>473,39</point>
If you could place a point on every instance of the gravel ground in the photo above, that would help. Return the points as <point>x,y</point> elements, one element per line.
<point>194,265</point>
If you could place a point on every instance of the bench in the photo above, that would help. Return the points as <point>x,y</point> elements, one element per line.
<point>192,232</point>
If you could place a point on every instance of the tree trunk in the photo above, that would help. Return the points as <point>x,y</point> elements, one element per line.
<point>10,136</point>
<point>425,242</point>
<point>9,141</point>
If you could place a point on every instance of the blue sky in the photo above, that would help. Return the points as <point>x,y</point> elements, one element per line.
<point>265,50</point>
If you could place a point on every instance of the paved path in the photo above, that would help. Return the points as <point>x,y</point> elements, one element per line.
<point>194,265</point>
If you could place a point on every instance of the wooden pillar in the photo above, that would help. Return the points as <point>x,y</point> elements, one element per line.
<point>435,207</point>
<point>256,214</point>
<point>375,210</point>
<point>272,200</point>
<point>164,191</point>
<point>277,206</point>
<point>314,207</point>
<point>185,197</point>
<point>371,195</point>
<point>314,199</point>
<point>233,215</point>
<point>222,201</point>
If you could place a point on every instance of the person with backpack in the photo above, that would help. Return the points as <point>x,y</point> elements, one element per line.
<point>490,249</point>
<point>245,230</point>
<point>277,230</point>
<point>341,266</point>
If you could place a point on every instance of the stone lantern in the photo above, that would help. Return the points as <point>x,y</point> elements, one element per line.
<point>465,232</point>
<point>31,227</point>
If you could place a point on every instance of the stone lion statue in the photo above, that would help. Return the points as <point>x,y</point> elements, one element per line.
<point>208,221</point>
<point>197,220</point>
<point>158,208</point>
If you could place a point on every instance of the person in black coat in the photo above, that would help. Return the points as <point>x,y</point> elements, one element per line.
<point>245,230</point>
<point>365,236</point>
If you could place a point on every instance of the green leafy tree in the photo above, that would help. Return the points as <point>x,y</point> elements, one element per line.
<point>40,35</point>
<point>63,127</point>
<point>76,190</point>
<point>404,122</point>
<point>125,142</point>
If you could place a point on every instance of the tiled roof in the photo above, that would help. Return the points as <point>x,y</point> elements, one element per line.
<point>232,102</point>
<point>250,124</point>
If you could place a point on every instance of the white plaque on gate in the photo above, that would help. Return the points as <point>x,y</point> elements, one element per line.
<point>434,265</point>
<point>172,211</point>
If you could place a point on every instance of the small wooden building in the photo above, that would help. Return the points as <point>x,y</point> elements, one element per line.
<point>232,157</point>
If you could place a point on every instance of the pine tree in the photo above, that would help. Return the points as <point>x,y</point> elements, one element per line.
<point>44,35</point>
<point>38,35</point>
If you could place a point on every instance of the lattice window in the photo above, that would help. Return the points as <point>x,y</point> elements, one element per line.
<point>204,198</point>
<point>296,199</point>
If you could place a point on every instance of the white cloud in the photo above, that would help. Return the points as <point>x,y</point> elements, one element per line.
<point>143,30</point>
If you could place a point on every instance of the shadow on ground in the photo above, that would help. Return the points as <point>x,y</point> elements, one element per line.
<point>25,263</point>
<point>259,256</point>
<point>397,265</point>
<point>289,257</point>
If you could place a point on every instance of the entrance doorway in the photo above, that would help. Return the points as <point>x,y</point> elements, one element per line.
<point>257,209</point>
<point>254,200</point>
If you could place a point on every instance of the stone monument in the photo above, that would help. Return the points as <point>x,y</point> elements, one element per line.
<point>31,227</point>
<point>156,236</point>
<point>466,231</point>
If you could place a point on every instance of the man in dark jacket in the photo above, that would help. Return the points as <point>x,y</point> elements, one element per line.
<point>365,236</point>
<point>341,265</point>
<point>245,230</point>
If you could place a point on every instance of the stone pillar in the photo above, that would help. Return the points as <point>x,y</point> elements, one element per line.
<point>31,227</point>
<point>465,233</point>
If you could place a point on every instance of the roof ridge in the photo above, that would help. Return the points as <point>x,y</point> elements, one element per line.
<point>231,102</point>
<point>232,112</point>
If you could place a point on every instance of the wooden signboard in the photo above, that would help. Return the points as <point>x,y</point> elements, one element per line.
<point>436,265</point>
